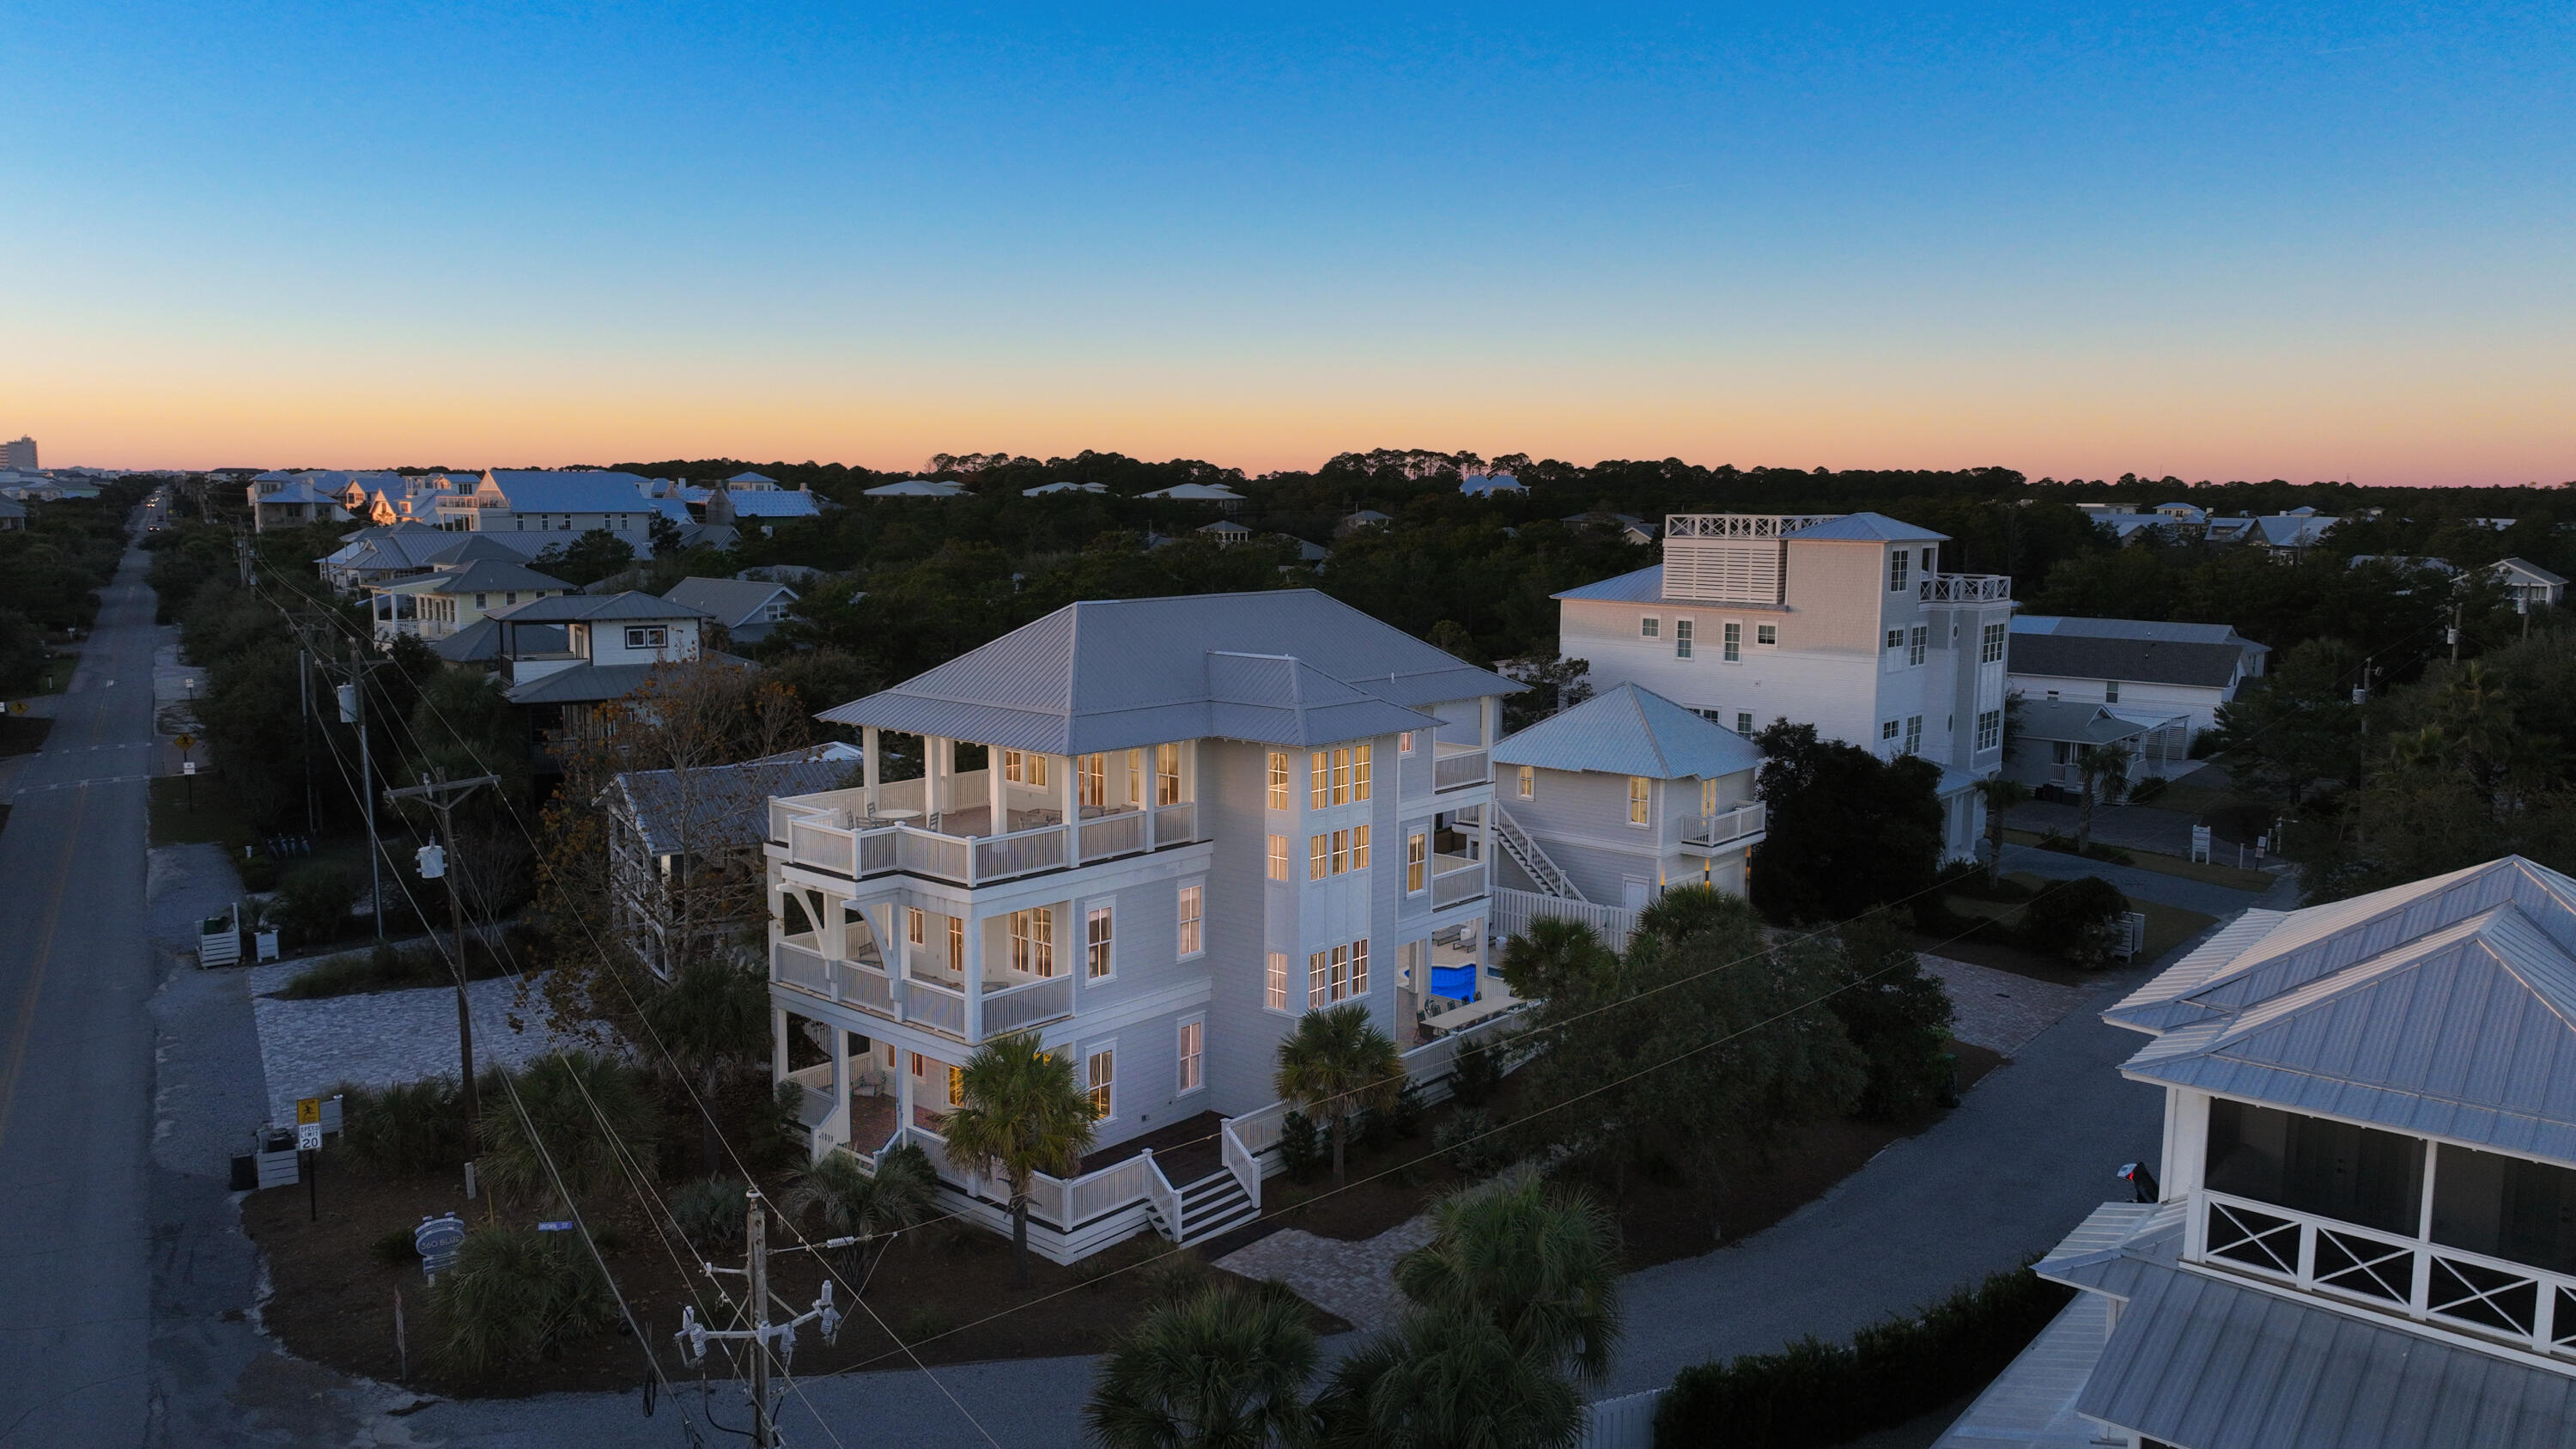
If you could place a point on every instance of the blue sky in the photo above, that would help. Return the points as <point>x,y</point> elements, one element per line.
<point>2225,242</point>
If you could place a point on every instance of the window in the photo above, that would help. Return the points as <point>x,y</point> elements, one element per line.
<point>1896,570</point>
<point>1913,734</point>
<point>482,601</point>
<point>1734,650</point>
<point>1033,941</point>
<point>1360,771</point>
<point>1917,643</point>
<point>1708,797</point>
<point>1192,902</point>
<point>1895,638</point>
<point>956,1086</point>
<point>914,926</point>
<point>1640,798</point>
<point>1990,729</point>
<point>773,613</point>
<point>1341,851</point>
<point>1359,968</point>
<point>1417,862</point>
<point>646,638</point>
<point>1990,647</point>
<point>1886,730</point>
<point>1318,851</point>
<point>1092,778</point>
<point>1319,780</point>
<point>1744,722</point>
<point>1279,857</point>
<point>1650,627</point>
<point>1103,1077</point>
<point>1167,775</point>
<point>1341,777</point>
<point>1096,942</point>
<point>957,943</point>
<point>1275,982</point>
<point>1682,631</point>
<point>2308,1164</point>
<point>1527,781</point>
<point>1766,636</point>
<point>1193,1040</point>
<point>1279,780</point>
<point>1927,563</point>
<point>1359,847</point>
<point>2110,691</point>
<point>1404,743</point>
<point>1015,767</point>
<point>1319,980</point>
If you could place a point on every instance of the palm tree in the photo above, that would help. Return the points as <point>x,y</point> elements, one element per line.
<point>1551,954</point>
<point>1446,1380</point>
<point>583,1112</point>
<point>855,1203</point>
<point>1024,1113</point>
<point>1223,1370</point>
<point>2001,795</point>
<point>1336,1063</point>
<point>713,1021</point>
<point>1541,1264</point>
<point>2104,768</point>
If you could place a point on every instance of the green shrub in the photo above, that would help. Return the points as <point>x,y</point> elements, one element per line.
<point>2147,791</point>
<point>587,1112</point>
<point>2076,919</point>
<point>1473,1143</point>
<point>395,1249</point>
<point>313,901</point>
<point>1303,1147</point>
<point>515,1294</point>
<point>258,873</point>
<point>413,1129</point>
<point>709,1213</point>
<point>1813,1393</point>
<point>1477,1071</point>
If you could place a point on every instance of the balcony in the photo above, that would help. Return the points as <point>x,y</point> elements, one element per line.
<point>1457,885</point>
<point>842,833</point>
<point>2529,1308</point>
<point>1726,828</point>
<point>1965,589</point>
<point>1459,767</point>
<point>1011,1003</point>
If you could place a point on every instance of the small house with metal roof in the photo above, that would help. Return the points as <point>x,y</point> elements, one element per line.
<point>456,594</point>
<point>747,609</point>
<point>2144,670</point>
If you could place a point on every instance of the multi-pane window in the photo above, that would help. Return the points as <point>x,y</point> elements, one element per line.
<point>1708,797</point>
<point>1990,646</point>
<point>1136,776</point>
<point>1279,780</point>
<point>1417,862</point>
<point>1683,630</point>
<point>1913,734</point>
<point>1404,743</point>
<point>1279,857</point>
<point>1916,643</point>
<point>956,1086</point>
<point>1766,635</point>
<point>1102,1081</point>
<point>1193,1046</point>
<point>1640,799</point>
<point>1275,982</point>
<point>915,929</point>
<point>1734,650</point>
<point>1896,562</point>
<point>1319,780</point>
<point>957,943</point>
<point>1341,777</point>
<point>1990,729</point>
<point>1096,942</point>
<point>1093,778</point>
<point>1193,903</point>
<point>1167,775</point>
<point>1650,627</point>
<point>1319,850</point>
<point>1024,767</point>
<point>1032,934</point>
<point>647,638</point>
<point>1359,847</point>
<point>1895,638</point>
<point>1319,980</point>
<point>1341,851</point>
<point>1526,781</point>
<point>2110,691</point>
<point>1359,967</point>
<point>1360,771</point>
<point>1886,729</point>
<point>1744,722</point>
<point>1336,975</point>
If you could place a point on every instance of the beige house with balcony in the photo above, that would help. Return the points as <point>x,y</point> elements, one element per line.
<point>1154,832</point>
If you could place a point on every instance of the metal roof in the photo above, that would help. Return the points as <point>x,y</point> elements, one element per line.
<point>2084,723</point>
<point>2439,1008</point>
<point>483,575</point>
<point>1631,731</point>
<point>723,805</point>
<point>481,641</point>
<point>548,491</point>
<point>2145,661</point>
<point>583,684</point>
<point>915,488</point>
<point>1865,528</point>
<point>1117,673</point>
<point>1645,586</point>
<point>2164,631</point>
<point>598,608</point>
<point>773,503</point>
<point>2527,568</point>
<point>2198,1360</point>
<point>728,601</point>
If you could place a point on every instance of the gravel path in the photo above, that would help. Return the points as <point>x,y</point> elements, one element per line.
<point>1998,1010</point>
<point>1355,1280</point>
<point>382,1037</point>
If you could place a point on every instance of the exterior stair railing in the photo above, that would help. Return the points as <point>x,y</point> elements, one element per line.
<point>1526,854</point>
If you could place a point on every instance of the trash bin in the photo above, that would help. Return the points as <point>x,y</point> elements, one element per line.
<point>245,1172</point>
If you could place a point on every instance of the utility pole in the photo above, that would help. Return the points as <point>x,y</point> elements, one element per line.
<point>442,795</point>
<point>763,1336</point>
<point>353,711</point>
<point>755,1227</point>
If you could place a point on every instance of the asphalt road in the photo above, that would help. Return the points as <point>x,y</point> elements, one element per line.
<point>76,968</point>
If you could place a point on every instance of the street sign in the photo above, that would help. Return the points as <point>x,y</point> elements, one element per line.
<point>187,767</point>
<point>17,706</point>
<point>557,1227</point>
<point>308,1109</point>
<point>436,1240</point>
<point>184,742</point>
<point>308,1136</point>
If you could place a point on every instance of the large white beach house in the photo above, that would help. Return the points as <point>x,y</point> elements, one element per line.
<point>1155,832</point>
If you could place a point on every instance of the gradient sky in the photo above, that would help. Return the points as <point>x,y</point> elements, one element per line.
<point>2235,242</point>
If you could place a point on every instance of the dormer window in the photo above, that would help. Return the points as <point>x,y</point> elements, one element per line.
<point>648,636</point>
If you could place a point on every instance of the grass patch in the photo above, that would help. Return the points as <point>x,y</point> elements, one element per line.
<point>209,816</point>
<point>23,734</point>
<point>2209,873</point>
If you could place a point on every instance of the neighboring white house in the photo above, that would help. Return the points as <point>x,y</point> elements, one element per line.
<point>2363,1229</point>
<point>2188,518</point>
<point>916,488</point>
<point>1490,485</point>
<point>1226,532</point>
<point>2048,740</point>
<point>1155,832</point>
<point>1226,499</point>
<point>2146,671</point>
<point>384,554</point>
<point>2528,583</point>
<point>512,500</point>
<point>1045,490</point>
<point>611,644</point>
<point>748,609</point>
<point>1844,622</point>
<point>1625,794</point>
<point>684,846</point>
<point>454,596</point>
<point>286,500</point>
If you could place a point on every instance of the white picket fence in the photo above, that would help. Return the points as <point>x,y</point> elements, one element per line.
<point>1515,909</point>
<point>1627,1422</point>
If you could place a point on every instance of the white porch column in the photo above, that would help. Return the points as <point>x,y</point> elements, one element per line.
<point>777,1044</point>
<point>938,762</point>
<point>995,794</point>
<point>870,773</point>
<point>903,1088</point>
<point>1068,795</point>
<point>837,1121</point>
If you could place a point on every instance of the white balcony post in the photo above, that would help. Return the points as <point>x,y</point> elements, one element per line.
<point>974,979</point>
<point>1068,796</point>
<point>902,1090</point>
<point>871,772</point>
<point>839,1118</point>
<point>777,1044</point>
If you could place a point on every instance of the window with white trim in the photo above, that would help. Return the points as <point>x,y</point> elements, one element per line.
<point>1032,937</point>
<point>1101,1074</point>
<point>649,636</point>
<point>1319,854</point>
<point>1192,1054</point>
<point>1733,651</point>
<point>1990,645</point>
<point>1917,644</point>
<point>1360,756</point>
<point>1895,639</point>
<point>1192,904</point>
<point>1404,743</point>
<point>1319,780</point>
<point>1341,851</point>
<point>1744,722</point>
<point>1096,943</point>
<point>1650,627</point>
<point>1279,857</point>
<point>1279,780</point>
<point>1640,800</point>
<point>1887,730</point>
<point>2110,691</point>
<point>1275,982</point>
<point>1990,729</point>
<point>1896,562</point>
<point>1359,847</point>
<point>1526,782</point>
<point>1766,636</point>
<point>915,929</point>
<point>1683,629</point>
<point>1093,778</point>
<point>1708,797</point>
<point>1913,734</point>
<point>1417,862</point>
<point>1167,775</point>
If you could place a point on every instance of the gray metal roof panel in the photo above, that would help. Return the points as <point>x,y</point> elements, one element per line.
<point>729,601</point>
<point>483,575</point>
<point>1631,731</point>
<point>2163,631</point>
<point>1644,586</point>
<point>2060,719</point>
<point>721,805</point>
<point>1865,528</point>
<point>2160,1004</point>
<point>481,641</point>
<point>583,491</point>
<point>583,684</point>
<point>2145,661</point>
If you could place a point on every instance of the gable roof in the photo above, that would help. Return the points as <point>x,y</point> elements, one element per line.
<point>599,608</point>
<point>1644,586</point>
<point>750,478</point>
<point>727,601</point>
<point>551,491</point>
<point>774,503</point>
<point>481,576</point>
<point>1631,731</point>
<point>914,488</point>
<point>2528,569</point>
<point>1114,674</point>
<point>1864,527</point>
<point>2146,661</point>
<point>2063,719</point>
<point>2446,1006</point>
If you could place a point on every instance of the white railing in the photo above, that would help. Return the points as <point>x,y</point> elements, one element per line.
<point>1258,1131</point>
<point>1741,525</point>
<point>1964,589</point>
<point>815,838</point>
<point>935,1007</point>
<point>1460,770</point>
<point>1239,1161</point>
<point>824,847</point>
<point>1166,1199</point>
<point>924,852</point>
<point>1514,910</point>
<point>865,987</point>
<point>2397,1272</point>
<point>799,967</point>
<point>1726,827</point>
<point>1463,884</point>
<point>1108,835</point>
<point>1107,1190</point>
<point>1012,1008</point>
<point>1176,824</point>
<point>1542,868</point>
<point>999,857</point>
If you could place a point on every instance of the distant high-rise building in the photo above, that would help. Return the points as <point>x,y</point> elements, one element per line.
<point>20,455</point>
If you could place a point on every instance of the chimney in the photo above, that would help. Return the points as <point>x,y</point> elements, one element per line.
<point>720,505</point>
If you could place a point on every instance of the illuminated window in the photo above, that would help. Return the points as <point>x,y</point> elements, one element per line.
<point>914,927</point>
<point>1167,774</point>
<point>1640,799</point>
<point>1708,797</point>
<point>1279,779</point>
<point>1359,847</point>
<point>1093,781</point>
<point>1360,771</point>
<point>1136,777</point>
<point>1032,935</point>
<point>1404,743</point>
<point>1319,851</point>
<point>1417,861</point>
<point>1275,982</point>
<point>956,1086</point>
<point>1191,903</point>
<point>1341,777</point>
<point>1319,790</point>
<point>1193,1039</point>
<point>1359,968</point>
<point>1096,942</point>
<point>956,943</point>
<point>1103,1081</point>
<point>1341,851</point>
<point>1279,857</point>
<point>1319,980</point>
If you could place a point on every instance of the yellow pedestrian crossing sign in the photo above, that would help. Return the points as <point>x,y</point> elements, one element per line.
<point>308,1109</point>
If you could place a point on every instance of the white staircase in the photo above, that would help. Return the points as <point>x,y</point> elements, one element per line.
<point>1212,1205</point>
<point>1533,861</point>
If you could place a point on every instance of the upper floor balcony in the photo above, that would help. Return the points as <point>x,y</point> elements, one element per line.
<point>1965,589</point>
<point>983,1000</point>
<point>1727,829</point>
<point>971,830</point>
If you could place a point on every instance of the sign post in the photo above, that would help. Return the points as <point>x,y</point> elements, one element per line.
<point>308,1146</point>
<point>187,766</point>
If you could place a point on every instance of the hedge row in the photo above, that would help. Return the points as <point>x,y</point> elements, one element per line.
<point>1815,1393</point>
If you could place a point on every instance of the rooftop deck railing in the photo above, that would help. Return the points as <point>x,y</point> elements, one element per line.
<point>1965,589</point>
<point>1726,827</point>
<point>829,838</point>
